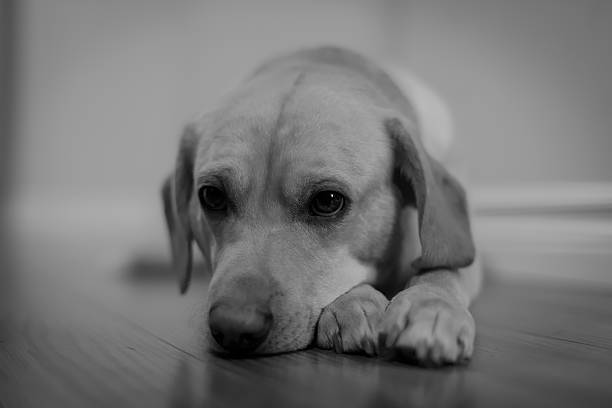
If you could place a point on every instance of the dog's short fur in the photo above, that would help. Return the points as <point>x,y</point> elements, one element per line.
<point>314,120</point>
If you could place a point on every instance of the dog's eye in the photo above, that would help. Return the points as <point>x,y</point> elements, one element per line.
<point>212,198</point>
<point>327,203</point>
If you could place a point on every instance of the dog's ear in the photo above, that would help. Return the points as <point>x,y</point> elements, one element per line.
<point>444,227</point>
<point>177,190</point>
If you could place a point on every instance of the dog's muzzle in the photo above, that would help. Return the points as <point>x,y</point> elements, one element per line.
<point>239,328</point>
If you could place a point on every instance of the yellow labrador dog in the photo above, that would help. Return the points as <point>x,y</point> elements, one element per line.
<point>323,219</point>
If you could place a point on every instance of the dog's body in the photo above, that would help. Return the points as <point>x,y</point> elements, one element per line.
<point>313,201</point>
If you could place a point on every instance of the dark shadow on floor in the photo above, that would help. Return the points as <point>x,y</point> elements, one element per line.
<point>139,270</point>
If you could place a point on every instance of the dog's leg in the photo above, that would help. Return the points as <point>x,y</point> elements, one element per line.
<point>349,324</point>
<point>429,322</point>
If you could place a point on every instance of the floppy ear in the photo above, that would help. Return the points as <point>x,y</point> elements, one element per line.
<point>444,226</point>
<point>176,196</point>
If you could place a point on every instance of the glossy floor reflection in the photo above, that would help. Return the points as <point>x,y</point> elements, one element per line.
<point>85,328</point>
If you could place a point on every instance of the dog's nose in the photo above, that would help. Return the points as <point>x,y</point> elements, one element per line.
<point>239,329</point>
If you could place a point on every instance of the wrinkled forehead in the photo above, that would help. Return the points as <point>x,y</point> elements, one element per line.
<point>331,144</point>
<point>298,138</point>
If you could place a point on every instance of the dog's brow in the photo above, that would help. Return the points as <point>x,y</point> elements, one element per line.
<point>220,173</point>
<point>214,171</point>
<point>307,182</point>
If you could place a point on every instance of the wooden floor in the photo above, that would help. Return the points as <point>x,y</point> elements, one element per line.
<point>80,328</point>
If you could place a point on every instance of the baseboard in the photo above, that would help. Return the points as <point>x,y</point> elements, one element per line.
<point>555,231</point>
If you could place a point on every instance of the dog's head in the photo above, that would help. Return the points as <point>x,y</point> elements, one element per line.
<point>292,192</point>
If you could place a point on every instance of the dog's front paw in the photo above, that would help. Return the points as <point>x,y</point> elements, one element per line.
<point>348,324</point>
<point>426,328</point>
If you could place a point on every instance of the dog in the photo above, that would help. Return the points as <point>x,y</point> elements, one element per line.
<point>322,217</point>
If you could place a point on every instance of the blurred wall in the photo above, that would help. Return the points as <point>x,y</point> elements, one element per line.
<point>529,82</point>
<point>7,103</point>
<point>105,86</point>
